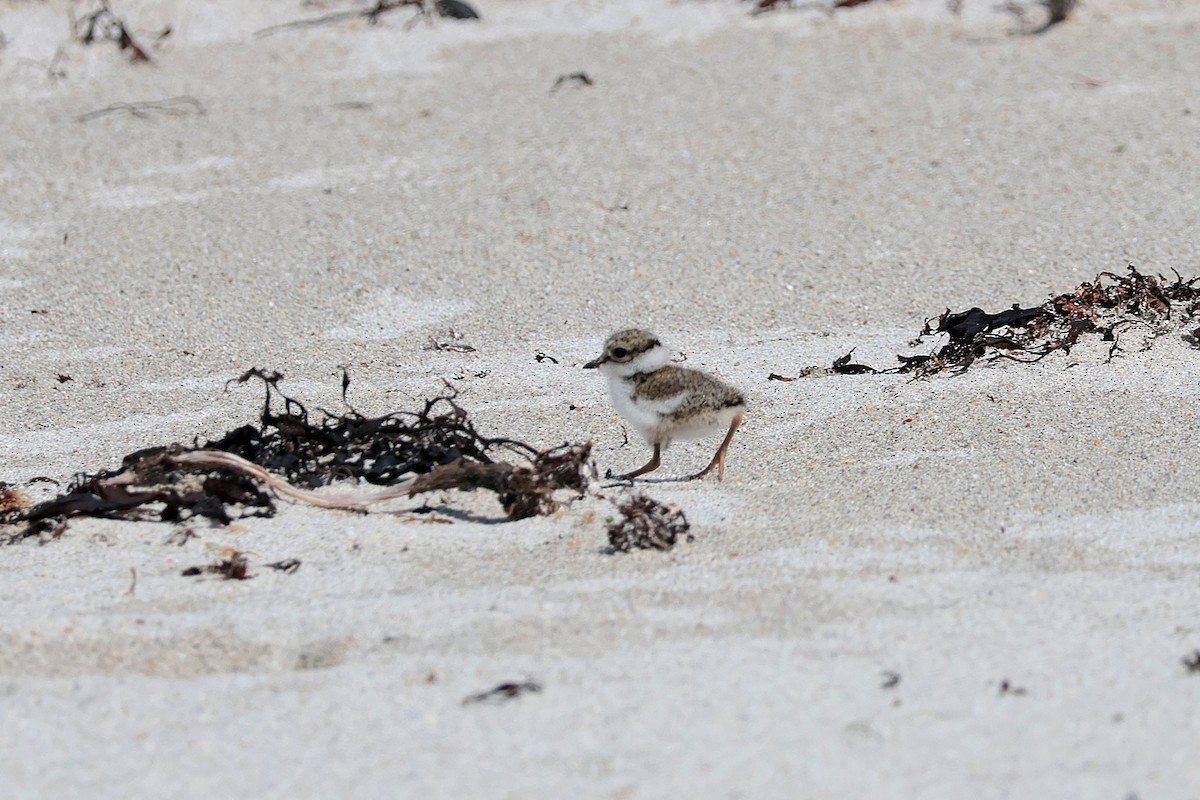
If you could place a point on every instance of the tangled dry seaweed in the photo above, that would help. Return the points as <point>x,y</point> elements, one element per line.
<point>288,454</point>
<point>435,448</point>
<point>1108,307</point>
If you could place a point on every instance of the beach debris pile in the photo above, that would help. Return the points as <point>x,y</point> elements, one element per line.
<point>235,566</point>
<point>1110,307</point>
<point>646,524</point>
<point>290,454</point>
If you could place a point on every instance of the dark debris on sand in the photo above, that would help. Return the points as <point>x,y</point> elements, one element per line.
<point>646,524</point>
<point>1108,307</point>
<point>423,9</point>
<point>234,567</point>
<point>378,450</point>
<point>290,452</point>
<point>503,693</point>
<point>102,24</point>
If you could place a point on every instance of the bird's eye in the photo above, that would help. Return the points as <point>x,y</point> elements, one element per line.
<point>619,352</point>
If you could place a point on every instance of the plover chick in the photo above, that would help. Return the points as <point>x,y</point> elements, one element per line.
<point>665,402</point>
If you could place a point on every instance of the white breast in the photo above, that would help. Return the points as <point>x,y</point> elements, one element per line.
<point>644,415</point>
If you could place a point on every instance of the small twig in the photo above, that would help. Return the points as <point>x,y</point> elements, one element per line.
<point>581,78</point>
<point>132,582</point>
<point>172,107</point>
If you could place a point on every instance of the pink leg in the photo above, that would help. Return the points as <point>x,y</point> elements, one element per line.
<point>718,460</point>
<point>651,465</point>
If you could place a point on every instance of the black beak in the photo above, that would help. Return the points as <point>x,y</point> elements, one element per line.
<point>595,363</point>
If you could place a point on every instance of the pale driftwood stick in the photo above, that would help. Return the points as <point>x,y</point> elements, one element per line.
<point>219,459</point>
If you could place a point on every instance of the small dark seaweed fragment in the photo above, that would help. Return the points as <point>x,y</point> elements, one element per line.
<point>1191,662</point>
<point>104,24</point>
<point>842,366</point>
<point>542,357</point>
<point>646,524</point>
<point>580,78</point>
<point>426,9</point>
<point>234,567</point>
<point>503,693</point>
<point>288,565</point>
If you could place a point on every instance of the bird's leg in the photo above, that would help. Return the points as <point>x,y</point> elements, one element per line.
<point>651,465</point>
<point>718,460</point>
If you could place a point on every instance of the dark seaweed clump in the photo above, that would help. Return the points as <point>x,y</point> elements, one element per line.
<point>434,448</point>
<point>1108,307</point>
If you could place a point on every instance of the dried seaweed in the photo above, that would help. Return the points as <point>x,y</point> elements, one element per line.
<point>150,485</point>
<point>425,9</point>
<point>1108,307</point>
<point>503,693</point>
<point>646,524</point>
<point>234,567</point>
<point>104,24</point>
<point>378,450</point>
<point>524,490</point>
<point>433,449</point>
<point>840,366</point>
<point>12,502</point>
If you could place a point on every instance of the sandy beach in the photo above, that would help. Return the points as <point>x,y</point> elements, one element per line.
<point>983,585</point>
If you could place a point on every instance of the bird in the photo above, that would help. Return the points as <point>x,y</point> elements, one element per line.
<point>665,402</point>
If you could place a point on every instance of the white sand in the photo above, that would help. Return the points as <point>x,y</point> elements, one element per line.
<point>795,185</point>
